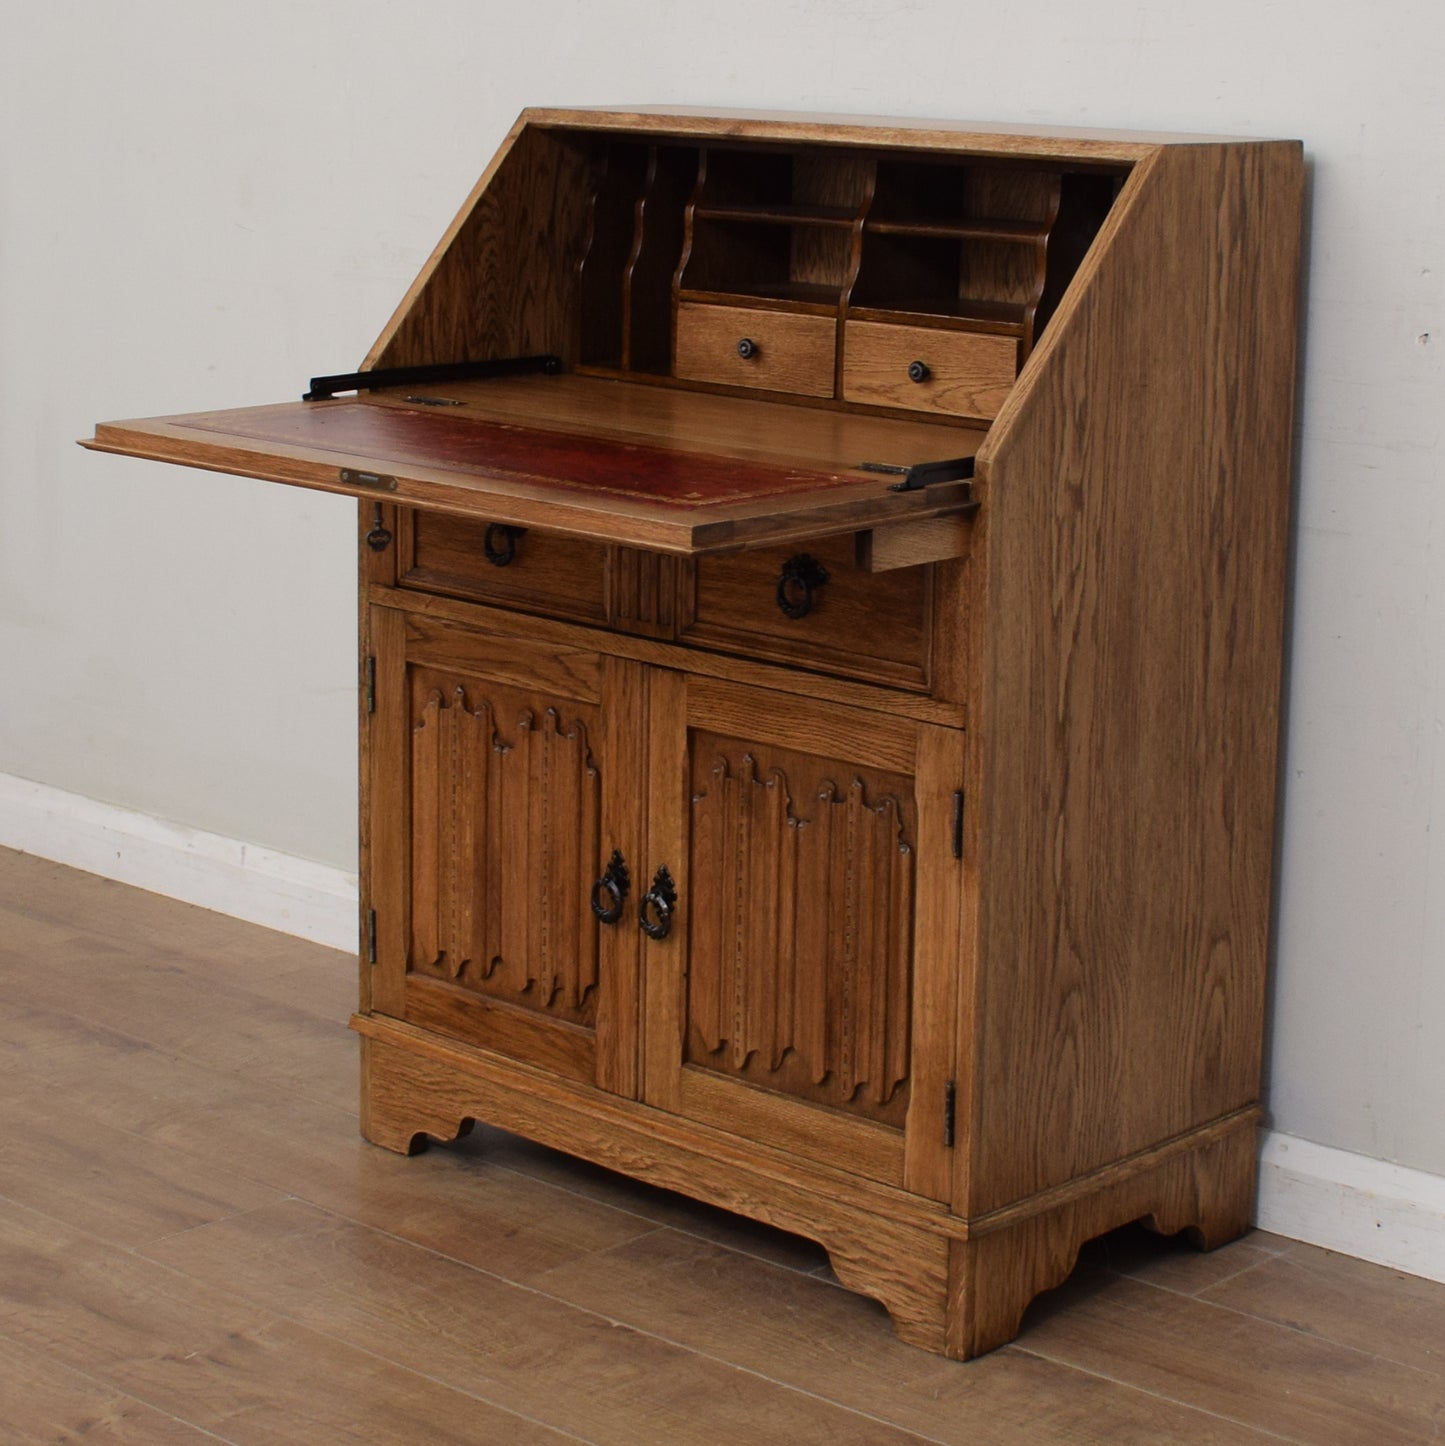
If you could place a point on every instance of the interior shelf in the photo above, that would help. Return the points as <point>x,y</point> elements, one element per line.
<point>969,313</point>
<point>797,295</point>
<point>949,244</point>
<point>1028,233</point>
<point>784,215</point>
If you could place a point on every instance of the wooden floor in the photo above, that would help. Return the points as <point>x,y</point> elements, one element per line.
<point>196,1246</point>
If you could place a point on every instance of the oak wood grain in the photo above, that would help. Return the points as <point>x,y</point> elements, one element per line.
<point>832,730</point>
<point>938,964</point>
<point>879,629</point>
<point>292,443</point>
<point>967,375</point>
<point>982,994</point>
<point>1128,697</point>
<point>488,290</point>
<point>787,353</point>
<point>1205,1185</point>
<point>549,573</point>
<point>739,427</point>
<point>912,544</point>
<point>908,133</point>
<point>887,701</point>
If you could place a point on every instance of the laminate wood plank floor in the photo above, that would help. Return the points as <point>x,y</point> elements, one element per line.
<point>196,1245</point>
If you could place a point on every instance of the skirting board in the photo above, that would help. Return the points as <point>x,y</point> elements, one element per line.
<point>1342,1201</point>
<point>277,890</point>
<point>1352,1204</point>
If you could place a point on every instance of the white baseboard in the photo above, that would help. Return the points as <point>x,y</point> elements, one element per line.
<point>277,890</point>
<point>1352,1204</point>
<point>1345,1202</point>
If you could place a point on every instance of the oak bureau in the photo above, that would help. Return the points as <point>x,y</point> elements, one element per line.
<point>822,591</point>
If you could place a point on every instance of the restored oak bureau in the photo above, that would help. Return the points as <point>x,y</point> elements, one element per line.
<point>822,592</point>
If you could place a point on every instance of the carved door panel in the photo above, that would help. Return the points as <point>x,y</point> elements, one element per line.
<point>503,776</point>
<point>805,993</point>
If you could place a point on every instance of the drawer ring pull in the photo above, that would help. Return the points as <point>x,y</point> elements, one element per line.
<point>610,891</point>
<point>918,371</point>
<point>800,578</point>
<point>500,543</point>
<point>748,348</point>
<point>663,898</point>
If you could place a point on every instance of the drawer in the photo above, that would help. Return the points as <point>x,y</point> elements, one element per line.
<point>547,572</point>
<point>778,351</point>
<point>963,373</point>
<point>872,626</point>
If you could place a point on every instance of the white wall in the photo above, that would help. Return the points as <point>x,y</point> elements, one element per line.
<point>204,203</point>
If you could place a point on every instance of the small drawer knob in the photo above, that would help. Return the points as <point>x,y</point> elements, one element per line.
<point>918,371</point>
<point>747,348</point>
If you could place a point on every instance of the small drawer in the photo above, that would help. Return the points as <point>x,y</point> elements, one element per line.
<point>962,373</point>
<point>532,571</point>
<point>777,351</point>
<point>872,626</point>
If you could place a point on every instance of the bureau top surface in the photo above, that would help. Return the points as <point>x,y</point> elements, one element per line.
<point>905,132</point>
<point>668,469</point>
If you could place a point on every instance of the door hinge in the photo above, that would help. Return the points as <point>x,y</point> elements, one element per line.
<point>958,824</point>
<point>950,1112</point>
<point>370,685</point>
<point>371,936</point>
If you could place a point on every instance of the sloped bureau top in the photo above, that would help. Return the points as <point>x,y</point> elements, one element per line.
<point>759,322</point>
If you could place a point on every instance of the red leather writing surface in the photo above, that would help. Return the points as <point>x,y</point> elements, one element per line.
<point>387,437</point>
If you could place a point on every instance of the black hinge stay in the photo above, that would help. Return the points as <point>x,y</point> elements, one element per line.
<point>950,1112</point>
<point>922,474</point>
<point>371,936</point>
<point>370,685</point>
<point>324,388</point>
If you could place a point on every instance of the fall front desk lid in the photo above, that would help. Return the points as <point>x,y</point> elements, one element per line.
<point>655,467</point>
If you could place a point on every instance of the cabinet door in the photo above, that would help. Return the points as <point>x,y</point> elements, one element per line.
<point>805,993</point>
<point>503,776</point>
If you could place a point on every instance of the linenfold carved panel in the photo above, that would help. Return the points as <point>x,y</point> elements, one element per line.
<point>504,806</point>
<point>801,930</point>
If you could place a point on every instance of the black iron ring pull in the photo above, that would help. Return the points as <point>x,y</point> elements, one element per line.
<point>801,577</point>
<point>918,371</point>
<point>609,892</point>
<point>747,348</point>
<point>500,543</point>
<point>662,896</point>
<point>379,538</point>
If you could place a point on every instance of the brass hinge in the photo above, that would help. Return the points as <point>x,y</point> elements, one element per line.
<point>950,1111</point>
<point>371,936</point>
<point>370,685</point>
<point>374,481</point>
<point>958,824</point>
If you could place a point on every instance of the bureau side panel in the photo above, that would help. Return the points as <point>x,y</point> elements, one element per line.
<point>503,280</point>
<point>1136,491</point>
